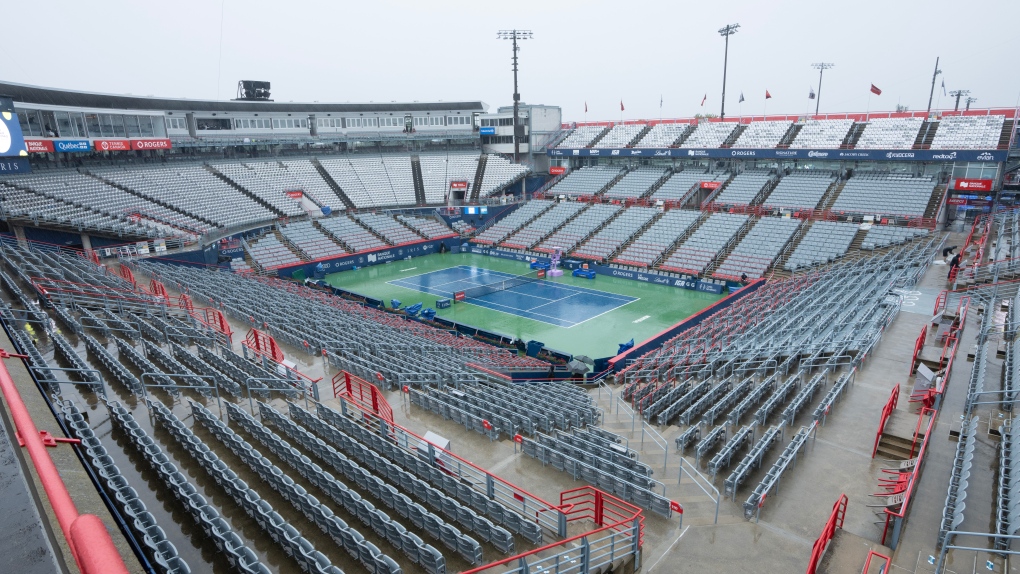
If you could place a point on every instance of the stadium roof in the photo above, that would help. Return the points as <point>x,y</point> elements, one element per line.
<point>26,94</point>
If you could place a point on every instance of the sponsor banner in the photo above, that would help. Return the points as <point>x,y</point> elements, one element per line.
<point>12,141</point>
<point>831,154</point>
<point>557,170</point>
<point>150,144</point>
<point>458,185</point>
<point>487,131</point>
<point>111,145</point>
<point>14,165</point>
<point>295,194</point>
<point>71,145</point>
<point>956,201</point>
<point>367,259</point>
<point>973,184</point>
<point>39,146</point>
<point>710,184</point>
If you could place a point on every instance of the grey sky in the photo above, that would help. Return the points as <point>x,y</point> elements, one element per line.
<point>594,51</point>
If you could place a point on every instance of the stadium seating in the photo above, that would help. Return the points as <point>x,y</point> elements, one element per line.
<point>763,134</point>
<point>269,253</point>
<point>302,175</point>
<point>880,236</point>
<point>581,136</point>
<point>698,250</point>
<point>613,236</point>
<point>568,236</point>
<point>462,227</point>
<point>758,249</point>
<point>709,134</point>
<point>511,223</point>
<point>885,194</point>
<point>801,189</point>
<point>680,183</point>
<point>500,173</point>
<point>824,242</point>
<point>388,228</point>
<point>263,184</point>
<point>890,133</point>
<point>310,241</point>
<point>663,135</point>
<point>636,183</point>
<point>437,171</point>
<point>968,132</point>
<point>744,188</point>
<point>349,233</point>
<point>430,228</point>
<point>364,181</point>
<point>528,236</point>
<point>648,247</point>
<point>585,181</point>
<point>822,134</point>
<point>620,136</point>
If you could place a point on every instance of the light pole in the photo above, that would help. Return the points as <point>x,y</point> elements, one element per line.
<point>821,67</point>
<point>932,92</point>
<point>958,94</point>
<point>516,35</point>
<point>970,101</point>
<point>726,32</point>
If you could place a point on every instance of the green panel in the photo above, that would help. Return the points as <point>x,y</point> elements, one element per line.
<point>658,306</point>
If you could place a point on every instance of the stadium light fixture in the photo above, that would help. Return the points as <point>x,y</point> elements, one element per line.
<point>958,94</point>
<point>970,101</point>
<point>821,67</point>
<point>726,32</point>
<point>515,36</point>
<point>932,92</point>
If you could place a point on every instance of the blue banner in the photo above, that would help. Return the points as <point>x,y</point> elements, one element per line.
<point>487,131</point>
<point>14,165</point>
<point>371,258</point>
<point>816,154</point>
<point>12,141</point>
<point>71,145</point>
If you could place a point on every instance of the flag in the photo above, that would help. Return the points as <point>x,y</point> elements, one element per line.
<point>741,98</point>
<point>660,101</point>
<point>768,96</point>
<point>586,107</point>
<point>875,90</point>
<point>703,100</point>
<point>943,87</point>
<point>621,105</point>
<point>811,93</point>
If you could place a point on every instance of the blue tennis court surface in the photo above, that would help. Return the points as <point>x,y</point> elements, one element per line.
<point>546,301</point>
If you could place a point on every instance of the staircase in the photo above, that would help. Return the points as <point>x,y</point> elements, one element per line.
<point>853,136</point>
<point>655,186</point>
<point>936,201</point>
<point>611,183</point>
<point>372,231</point>
<point>553,230</point>
<point>640,135</point>
<point>784,256</point>
<point>343,245</point>
<point>679,241</point>
<point>683,136</point>
<point>333,185</point>
<point>411,229</point>
<point>635,235</point>
<point>1007,133</point>
<point>419,185</point>
<point>599,137</point>
<point>244,190</point>
<point>476,184</point>
<point>730,246</point>
<point>925,135</point>
<point>732,138</point>
<point>789,136</point>
<point>898,436</point>
<point>293,248</point>
<point>829,198</point>
<point>765,190</point>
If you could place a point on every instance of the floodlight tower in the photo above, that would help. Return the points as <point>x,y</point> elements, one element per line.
<point>958,94</point>
<point>515,36</point>
<point>726,32</point>
<point>970,101</point>
<point>821,67</point>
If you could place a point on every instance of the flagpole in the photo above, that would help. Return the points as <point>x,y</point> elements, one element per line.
<point>867,114</point>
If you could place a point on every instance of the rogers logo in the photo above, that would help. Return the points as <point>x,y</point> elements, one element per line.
<point>742,153</point>
<point>150,144</point>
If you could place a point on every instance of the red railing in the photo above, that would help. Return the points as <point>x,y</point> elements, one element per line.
<point>828,531</point>
<point>263,344</point>
<point>127,275</point>
<point>915,473</point>
<point>887,411</point>
<point>610,515</point>
<point>90,543</point>
<point>363,394</point>
<point>885,565</point>
<point>918,347</point>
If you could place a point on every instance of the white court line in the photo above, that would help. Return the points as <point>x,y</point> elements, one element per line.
<point>406,270</point>
<point>603,313</point>
<point>567,287</point>
<point>641,319</point>
<point>519,312</point>
<point>554,301</point>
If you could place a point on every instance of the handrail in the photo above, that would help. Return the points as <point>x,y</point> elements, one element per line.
<point>887,411</point>
<point>873,554</point>
<point>828,531</point>
<point>90,543</point>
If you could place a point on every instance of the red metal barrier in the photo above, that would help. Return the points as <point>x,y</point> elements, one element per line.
<point>887,410</point>
<point>915,474</point>
<point>363,394</point>
<point>263,344</point>
<point>918,346</point>
<point>835,521</point>
<point>90,543</point>
<point>127,275</point>
<point>885,565</point>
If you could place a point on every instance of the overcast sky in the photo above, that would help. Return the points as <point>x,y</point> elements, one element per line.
<point>592,51</point>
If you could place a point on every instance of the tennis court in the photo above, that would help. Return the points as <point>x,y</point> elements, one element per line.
<point>544,300</point>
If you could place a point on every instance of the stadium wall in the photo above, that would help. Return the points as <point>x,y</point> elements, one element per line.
<point>367,259</point>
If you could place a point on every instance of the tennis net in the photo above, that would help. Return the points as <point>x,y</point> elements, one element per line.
<point>501,285</point>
